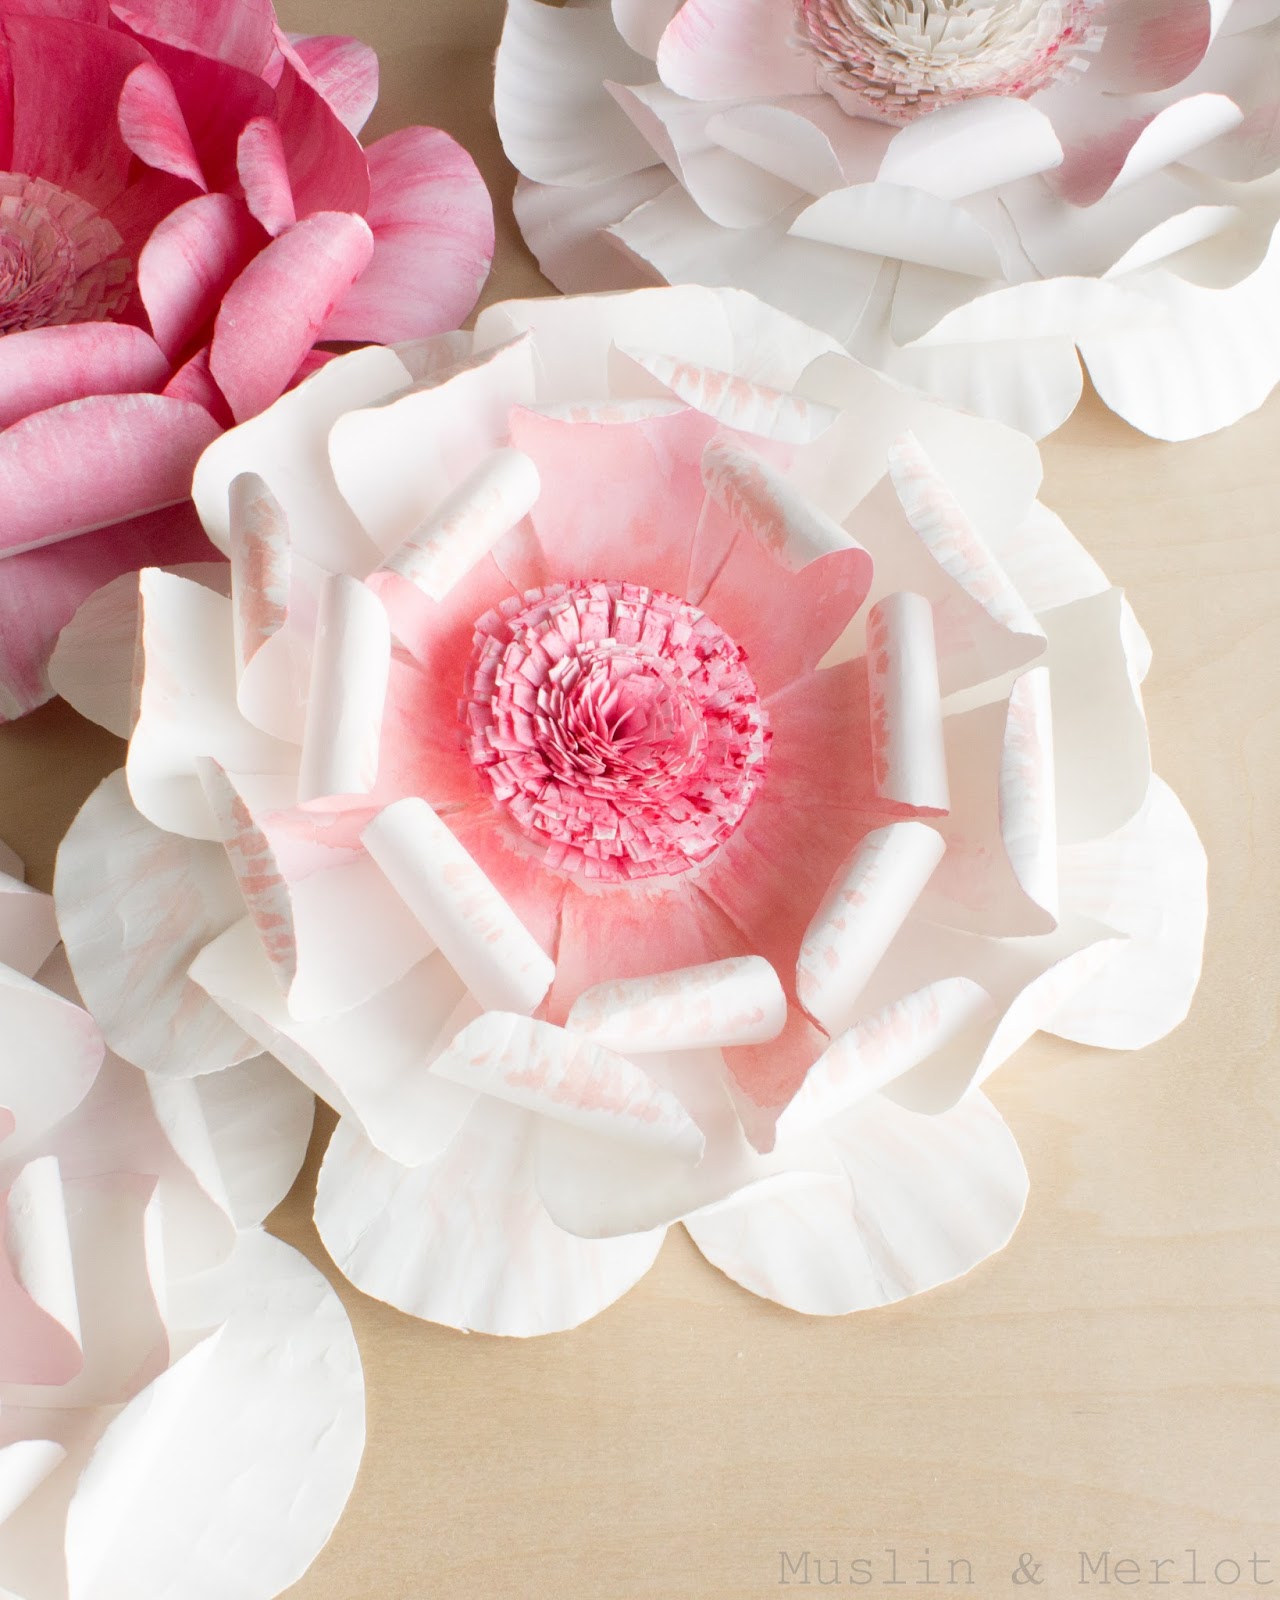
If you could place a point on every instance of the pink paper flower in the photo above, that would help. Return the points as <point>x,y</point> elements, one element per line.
<point>646,766</point>
<point>970,196</point>
<point>186,219</point>
<point>181,1404</point>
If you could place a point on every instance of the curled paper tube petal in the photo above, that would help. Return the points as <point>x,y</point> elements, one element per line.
<point>351,661</point>
<point>735,401</point>
<point>564,1076</point>
<point>498,959</point>
<point>502,489</point>
<point>736,1001</point>
<point>879,1049</point>
<point>792,529</point>
<point>861,915</point>
<point>908,760</point>
<point>260,565</point>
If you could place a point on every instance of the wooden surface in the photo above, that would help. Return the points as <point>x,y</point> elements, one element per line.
<point>1108,1383</point>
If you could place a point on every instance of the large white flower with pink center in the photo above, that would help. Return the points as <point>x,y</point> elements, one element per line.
<point>972,195</point>
<point>181,1404</point>
<point>645,766</point>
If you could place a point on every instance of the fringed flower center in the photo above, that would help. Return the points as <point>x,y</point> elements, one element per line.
<point>60,259</point>
<point>617,726</point>
<point>898,59</point>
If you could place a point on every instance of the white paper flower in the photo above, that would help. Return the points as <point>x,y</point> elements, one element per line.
<point>965,192</point>
<point>647,766</point>
<point>181,1404</point>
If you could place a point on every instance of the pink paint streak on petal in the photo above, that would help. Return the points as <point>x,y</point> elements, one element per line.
<point>264,175</point>
<point>66,86</point>
<point>241,32</point>
<point>152,124</point>
<point>345,71</point>
<point>93,462</point>
<point>432,223</point>
<point>1152,44</point>
<point>734,50</point>
<point>908,759</point>
<point>41,590</point>
<point>327,168</point>
<point>272,314</point>
<point>46,367</point>
<point>190,262</point>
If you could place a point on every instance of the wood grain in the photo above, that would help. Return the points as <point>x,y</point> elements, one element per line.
<point>1108,1383</point>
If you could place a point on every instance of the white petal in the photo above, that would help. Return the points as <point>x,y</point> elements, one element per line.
<point>565,229</point>
<point>904,224</point>
<point>136,904</point>
<point>1148,881</point>
<point>226,1475</point>
<point>972,147</point>
<point>906,706</point>
<point>737,1001</point>
<point>465,1240</point>
<point>52,1051</point>
<point>927,1199</point>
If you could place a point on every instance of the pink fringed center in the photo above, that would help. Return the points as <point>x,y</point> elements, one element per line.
<point>895,60</point>
<point>59,259</point>
<point>617,726</point>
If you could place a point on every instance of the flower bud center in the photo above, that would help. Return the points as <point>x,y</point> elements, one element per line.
<point>617,726</point>
<point>60,259</point>
<point>898,59</point>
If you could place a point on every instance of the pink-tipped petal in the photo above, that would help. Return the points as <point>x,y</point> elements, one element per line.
<point>94,462</point>
<point>190,262</point>
<point>734,50</point>
<point>274,311</point>
<point>432,223</point>
<point>152,125</point>
<point>264,175</point>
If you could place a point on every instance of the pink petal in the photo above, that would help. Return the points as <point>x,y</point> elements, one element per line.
<point>190,262</point>
<point>432,223</point>
<point>1152,44</point>
<point>217,99</point>
<point>734,50</point>
<point>152,124</point>
<point>345,71</point>
<point>264,174</point>
<point>67,81</point>
<point>620,500</point>
<point>93,462</point>
<point>240,32</point>
<point>327,168</point>
<point>194,382</point>
<point>273,313</point>
<point>144,205</point>
<point>41,590</point>
<point>45,367</point>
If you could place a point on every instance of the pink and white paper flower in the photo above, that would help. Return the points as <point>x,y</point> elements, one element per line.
<point>971,196</point>
<point>186,216</point>
<point>646,766</point>
<point>181,1403</point>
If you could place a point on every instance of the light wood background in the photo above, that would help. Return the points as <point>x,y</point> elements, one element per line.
<point>1108,1382</point>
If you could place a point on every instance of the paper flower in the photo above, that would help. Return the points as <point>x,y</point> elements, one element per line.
<point>964,193</point>
<point>647,766</point>
<point>181,1404</point>
<point>186,216</point>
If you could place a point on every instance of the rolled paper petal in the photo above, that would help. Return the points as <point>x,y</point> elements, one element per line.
<point>351,657</point>
<point>498,959</point>
<point>287,291</point>
<point>467,525</point>
<point>928,1198</point>
<point>862,913</point>
<point>92,462</point>
<point>153,126</point>
<point>909,762</point>
<point>735,1001</point>
<point>260,566</point>
<point>562,1075</point>
<point>465,1239</point>
<point>877,1050</point>
<point>264,174</point>
<point>735,401</point>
